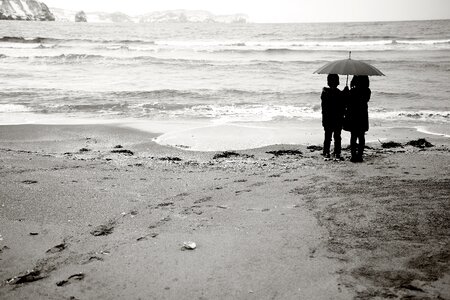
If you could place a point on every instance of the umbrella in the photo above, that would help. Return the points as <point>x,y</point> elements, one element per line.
<point>349,66</point>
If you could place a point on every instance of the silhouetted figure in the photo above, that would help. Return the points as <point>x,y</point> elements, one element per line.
<point>357,115</point>
<point>333,108</point>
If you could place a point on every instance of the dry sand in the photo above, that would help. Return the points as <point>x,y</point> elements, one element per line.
<point>80,222</point>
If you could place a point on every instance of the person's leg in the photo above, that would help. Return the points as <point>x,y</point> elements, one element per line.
<point>353,137</point>
<point>327,142</point>
<point>337,143</point>
<point>362,144</point>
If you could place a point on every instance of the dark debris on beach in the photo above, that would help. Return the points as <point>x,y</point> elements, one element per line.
<point>170,158</point>
<point>285,152</point>
<point>123,151</point>
<point>420,143</point>
<point>390,144</point>
<point>226,154</point>
<point>313,148</point>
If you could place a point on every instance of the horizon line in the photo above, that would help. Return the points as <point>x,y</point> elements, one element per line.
<point>258,22</point>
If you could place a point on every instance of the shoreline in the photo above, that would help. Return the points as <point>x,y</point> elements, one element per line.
<point>102,212</point>
<point>202,135</point>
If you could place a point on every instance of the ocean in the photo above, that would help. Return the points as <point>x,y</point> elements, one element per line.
<point>242,79</point>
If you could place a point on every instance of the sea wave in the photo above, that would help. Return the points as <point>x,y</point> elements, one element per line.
<point>75,58</point>
<point>206,95</point>
<point>209,95</point>
<point>19,39</point>
<point>40,40</point>
<point>344,42</point>
<point>414,115</point>
<point>421,42</point>
<point>175,104</point>
<point>398,95</point>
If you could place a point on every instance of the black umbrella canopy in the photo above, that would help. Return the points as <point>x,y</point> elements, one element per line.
<point>349,67</point>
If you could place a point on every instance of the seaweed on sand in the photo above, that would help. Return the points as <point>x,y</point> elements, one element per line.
<point>123,151</point>
<point>420,143</point>
<point>390,144</point>
<point>285,152</point>
<point>226,154</point>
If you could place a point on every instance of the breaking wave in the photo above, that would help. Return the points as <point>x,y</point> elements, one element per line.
<point>13,108</point>
<point>376,43</point>
<point>40,40</point>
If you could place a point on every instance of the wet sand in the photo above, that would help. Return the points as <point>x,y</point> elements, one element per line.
<point>102,212</point>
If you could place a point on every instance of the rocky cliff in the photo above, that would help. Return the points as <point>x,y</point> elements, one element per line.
<point>27,10</point>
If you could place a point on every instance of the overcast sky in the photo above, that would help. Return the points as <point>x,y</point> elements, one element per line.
<point>280,10</point>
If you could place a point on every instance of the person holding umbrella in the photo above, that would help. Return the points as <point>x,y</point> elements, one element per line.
<point>357,115</point>
<point>333,108</point>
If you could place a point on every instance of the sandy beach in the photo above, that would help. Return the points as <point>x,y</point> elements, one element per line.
<point>102,212</point>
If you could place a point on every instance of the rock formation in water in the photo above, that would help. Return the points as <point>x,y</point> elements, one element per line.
<point>80,17</point>
<point>25,10</point>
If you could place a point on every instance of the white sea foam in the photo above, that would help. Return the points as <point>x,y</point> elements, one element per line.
<point>419,115</point>
<point>11,45</point>
<point>10,108</point>
<point>426,130</point>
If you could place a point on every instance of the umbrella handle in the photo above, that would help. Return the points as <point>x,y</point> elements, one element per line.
<point>346,84</point>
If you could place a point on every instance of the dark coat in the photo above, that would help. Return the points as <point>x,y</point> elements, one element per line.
<point>333,108</point>
<point>357,113</point>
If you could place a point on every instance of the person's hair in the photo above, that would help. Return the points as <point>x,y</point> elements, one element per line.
<point>333,80</point>
<point>363,81</point>
<point>354,82</point>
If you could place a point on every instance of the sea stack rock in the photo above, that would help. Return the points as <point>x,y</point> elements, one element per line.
<point>25,10</point>
<point>80,17</point>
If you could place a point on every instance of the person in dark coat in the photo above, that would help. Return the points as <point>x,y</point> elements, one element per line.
<point>333,108</point>
<point>357,115</point>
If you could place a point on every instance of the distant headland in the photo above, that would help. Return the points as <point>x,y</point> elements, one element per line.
<point>32,10</point>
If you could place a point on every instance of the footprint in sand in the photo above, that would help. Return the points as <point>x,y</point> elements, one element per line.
<point>312,252</point>
<point>192,210</point>
<point>160,222</point>
<point>143,238</point>
<point>29,181</point>
<point>57,248</point>
<point>29,276</point>
<point>243,191</point>
<point>105,229</point>
<point>92,259</point>
<point>274,175</point>
<point>165,204</point>
<point>240,180</point>
<point>291,180</point>
<point>71,279</point>
<point>202,200</point>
